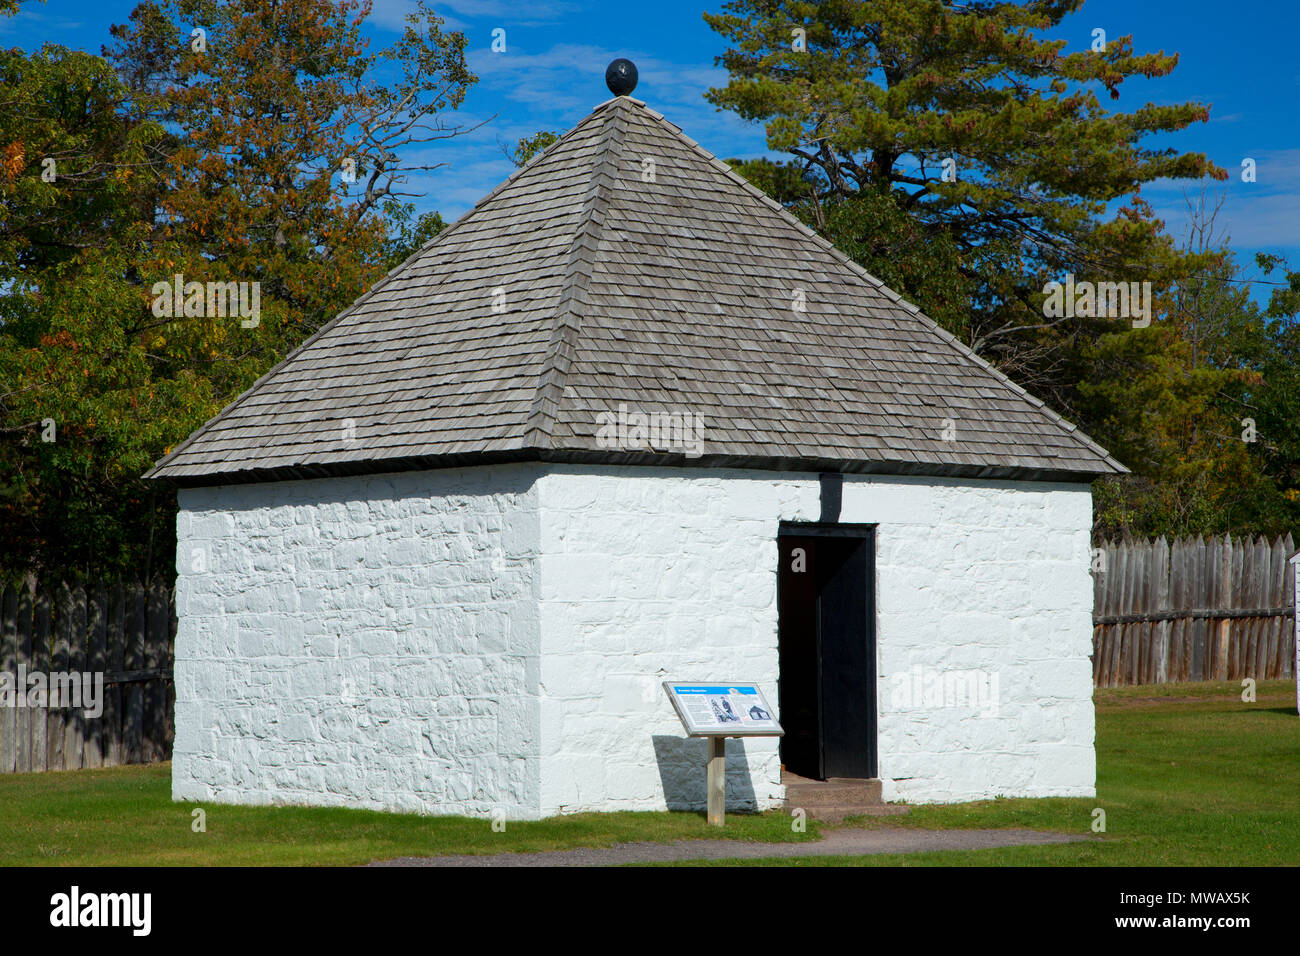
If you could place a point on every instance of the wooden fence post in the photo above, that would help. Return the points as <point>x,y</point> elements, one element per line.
<point>114,699</point>
<point>74,733</point>
<point>96,662</point>
<point>133,693</point>
<point>40,661</point>
<point>9,665</point>
<point>56,718</point>
<point>1161,605</point>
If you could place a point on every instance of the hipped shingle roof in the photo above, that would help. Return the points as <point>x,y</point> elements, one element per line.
<point>627,266</point>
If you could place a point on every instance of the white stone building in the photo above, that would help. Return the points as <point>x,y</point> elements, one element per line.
<point>436,561</point>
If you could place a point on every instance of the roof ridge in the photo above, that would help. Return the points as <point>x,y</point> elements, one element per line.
<point>845,260</point>
<point>562,343</point>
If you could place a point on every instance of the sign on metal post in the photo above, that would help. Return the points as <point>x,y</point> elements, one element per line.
<point>719,711</point>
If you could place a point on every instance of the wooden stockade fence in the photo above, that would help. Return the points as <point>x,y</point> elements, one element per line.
<point>124,633</point>
<point>1194,609</point>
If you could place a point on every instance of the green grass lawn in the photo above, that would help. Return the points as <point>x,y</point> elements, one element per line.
<point>1188,776</point>
<point>125,817</point>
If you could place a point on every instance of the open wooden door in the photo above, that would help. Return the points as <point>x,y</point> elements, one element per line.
<point>827,686</point>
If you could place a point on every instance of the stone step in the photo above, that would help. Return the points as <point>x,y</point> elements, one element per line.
<point>836,797</point>
<point>839,797</point>
<point>838,814</point>
<point>832,793</point>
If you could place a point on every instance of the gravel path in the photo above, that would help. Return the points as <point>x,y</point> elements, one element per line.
<point>846,842</point>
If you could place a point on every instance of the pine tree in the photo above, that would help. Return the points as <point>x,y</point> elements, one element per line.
<point>993,139</point>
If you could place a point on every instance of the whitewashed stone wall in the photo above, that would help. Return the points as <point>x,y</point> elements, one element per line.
<point>505,631</point>
<point>655,573</point>
<point>367,642</point>
<point>650,575</point>
<point>986,578</point>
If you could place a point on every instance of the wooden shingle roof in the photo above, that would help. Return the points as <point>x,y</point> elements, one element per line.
<point>628,265</point>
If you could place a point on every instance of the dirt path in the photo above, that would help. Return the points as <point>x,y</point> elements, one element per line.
<point>846,842</point>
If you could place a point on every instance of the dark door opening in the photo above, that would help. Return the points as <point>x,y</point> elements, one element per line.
<point>827,687</point>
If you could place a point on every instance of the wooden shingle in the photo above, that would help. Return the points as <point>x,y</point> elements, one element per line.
<point>582,283</point>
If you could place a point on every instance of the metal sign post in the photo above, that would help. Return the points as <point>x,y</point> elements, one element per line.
<point>719,711</point>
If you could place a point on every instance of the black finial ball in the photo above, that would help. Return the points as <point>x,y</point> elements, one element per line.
<point>620,77</point>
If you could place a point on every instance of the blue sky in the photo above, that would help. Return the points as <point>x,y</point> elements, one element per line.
<point>1239,58</point>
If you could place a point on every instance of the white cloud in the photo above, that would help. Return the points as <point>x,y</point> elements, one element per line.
<point>391,14</point>
<point>535,11</point>
<point>556,88</point>
<point>1259,215</point>
<point>569,79</point>
<point>30,23</point>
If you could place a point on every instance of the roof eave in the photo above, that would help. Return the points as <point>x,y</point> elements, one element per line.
<point>1082,475</point>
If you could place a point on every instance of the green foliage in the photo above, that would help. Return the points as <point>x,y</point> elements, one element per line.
<point>86,415</point>
<point>784,182</point>
<point>530,146</point>
<point>221,164</point>
<point>992,138</point>
<point>404,240</point>
<point>279,110</point>
<point>966,161</point>
<point>80,413</point>
<point>68,163</point>
<point>1276,403</point>
<point>1201,407</point>
<point>871,229</point>
<point>899,251</point>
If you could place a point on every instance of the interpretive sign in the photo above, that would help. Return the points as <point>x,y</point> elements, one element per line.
<point>723,710</point>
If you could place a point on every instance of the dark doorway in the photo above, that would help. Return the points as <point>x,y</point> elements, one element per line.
<point>827,688</point>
